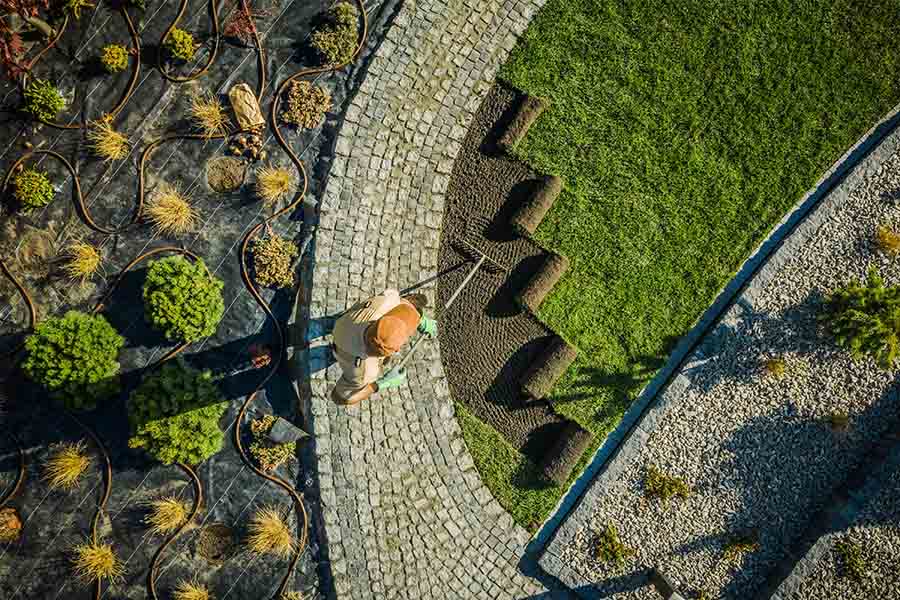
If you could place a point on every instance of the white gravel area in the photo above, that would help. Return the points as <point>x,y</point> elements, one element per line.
<point>757,450</point>
<point>877,531</point>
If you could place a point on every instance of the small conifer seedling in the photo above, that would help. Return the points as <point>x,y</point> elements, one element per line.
<point>43,100</point>
<point>32,189</point>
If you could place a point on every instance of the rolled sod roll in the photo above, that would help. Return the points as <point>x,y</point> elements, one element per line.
<point>542,282</point>
<point>558,463</point>
<point>549,366</point>
<point>531,212</point>
<point>527,113</point>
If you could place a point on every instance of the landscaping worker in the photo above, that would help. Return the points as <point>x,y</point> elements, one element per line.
<point>367,334</point>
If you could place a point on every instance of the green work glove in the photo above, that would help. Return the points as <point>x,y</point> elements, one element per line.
<point>393,378</point>
<point>427,326</point>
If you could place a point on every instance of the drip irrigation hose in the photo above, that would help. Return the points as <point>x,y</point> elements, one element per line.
<point>157,556</point>
<point>212,53</point>
<point>20,477</point>
<point>29,303</point>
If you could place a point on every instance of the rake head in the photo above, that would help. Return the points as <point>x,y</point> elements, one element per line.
<point>474,254</point>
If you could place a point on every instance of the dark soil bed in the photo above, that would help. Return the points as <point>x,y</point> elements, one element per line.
<point>37,565</point>
<point>487,340</point>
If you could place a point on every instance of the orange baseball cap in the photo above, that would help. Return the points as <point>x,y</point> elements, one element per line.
<point>388,334</point>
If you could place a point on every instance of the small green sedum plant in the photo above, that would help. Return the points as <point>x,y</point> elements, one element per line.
<point>853,563</point>
<point>609,548</point>
<point>864,318</point>
<point>180,44</point>
<point>114,58</point>
<point>74,357</point>
<point>182,300</point>
<point>174,415</point>
<point>42,100</point>
<point>336,41</point>
<point>32,189</point>
<point>658,484</point>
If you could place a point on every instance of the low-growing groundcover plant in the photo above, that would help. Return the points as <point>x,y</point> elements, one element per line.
<point>336,40</point>
<point>181,299</point>
<point>272,261</point>
<point>664,486</point>
<point>608,548</point>
<point>853,563</point>
<point>174,415</point>
<point>32,189</point>
<point>864,318</point>
<point>306,104</point>
<point>43,100</point>
<point>74,357</point>
<point>114,58</point>
<point>180,44</point>
<point>268,454</point>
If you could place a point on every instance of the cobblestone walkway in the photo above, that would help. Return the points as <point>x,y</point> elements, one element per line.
<point>405,513</point>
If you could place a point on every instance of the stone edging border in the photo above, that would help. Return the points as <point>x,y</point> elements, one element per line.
<point>799,224</point>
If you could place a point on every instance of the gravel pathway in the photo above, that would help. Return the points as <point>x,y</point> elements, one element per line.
<point>756,449</point>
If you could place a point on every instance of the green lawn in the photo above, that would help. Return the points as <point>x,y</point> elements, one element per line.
<point>684,129</point>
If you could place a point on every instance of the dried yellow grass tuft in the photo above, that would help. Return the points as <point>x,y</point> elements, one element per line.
<point>269,533</point>
<point>208,115</point>
<point>190,591</point>
<point>171,212</point>
<point>66,466</point>
<point>106,142</point>
<point>94,561</point>
<point>82,260</point>
<point>166,515</point>
<point>273,183</point>
<point>888,240</point>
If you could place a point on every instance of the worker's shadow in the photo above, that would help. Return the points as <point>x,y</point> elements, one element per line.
<point>320,355</point>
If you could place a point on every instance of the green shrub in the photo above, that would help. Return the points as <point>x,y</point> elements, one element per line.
<point>268,454</point>
<point>864,318</point>
<point>337,39</point>
<point>609,548</point>
<point>664,486</point>
<point>306,104</point>
<point>43,100</point>
<point>181,299</point>
<point>32,189</point>
<point>740,544</point>
<point>851,556</point>
<point>74,357</point>
<point>174,415</point>
<point>776,367</point>
<point>180,44</point>
<point>272,258</point>
<point>114,58</point>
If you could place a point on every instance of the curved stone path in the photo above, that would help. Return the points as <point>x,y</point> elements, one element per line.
<point>405,514</point>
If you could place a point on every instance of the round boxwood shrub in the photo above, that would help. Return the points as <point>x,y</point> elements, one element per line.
<point>74,357</point>
<point>182,300</point>
<point>174,415</point>
<point>32,189</point>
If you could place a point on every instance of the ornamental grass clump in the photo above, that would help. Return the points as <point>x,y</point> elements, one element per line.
<point>182,299</point>
<point>66,465</point>
<point>306,104</point>
<point>208,115</point>
<point>269,533</point>
<point>166,515</point>
<point>74,357</point>
<point>608,548</point>
<point>174,415</point>
<point>269,455</point>
<point>105,142</point>
<point>273,183</point>
<point>171,212</point>
<point>864,318</point>
<point>81,261</point>
<point>43,100</point>
<point>180,44</point>
<point>272,261</point>
<point>93,561</point>
<point>336,41</point>
<point>186,590</point>
<point>32,189</point>
<point>114,58</point>
<point>888,240</point>
<point>664,486</point>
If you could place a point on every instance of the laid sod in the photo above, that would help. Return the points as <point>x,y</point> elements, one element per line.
<point>683,131</point>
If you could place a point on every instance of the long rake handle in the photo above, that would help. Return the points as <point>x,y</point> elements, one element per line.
<point>450,301</point>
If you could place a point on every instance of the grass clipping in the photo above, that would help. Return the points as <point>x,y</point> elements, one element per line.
<point>94,561</point>
<point>269,533</point>
<point>66,466</point>
<point>82,261</point>
<point>171,212</point>
<point>166,515</point>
